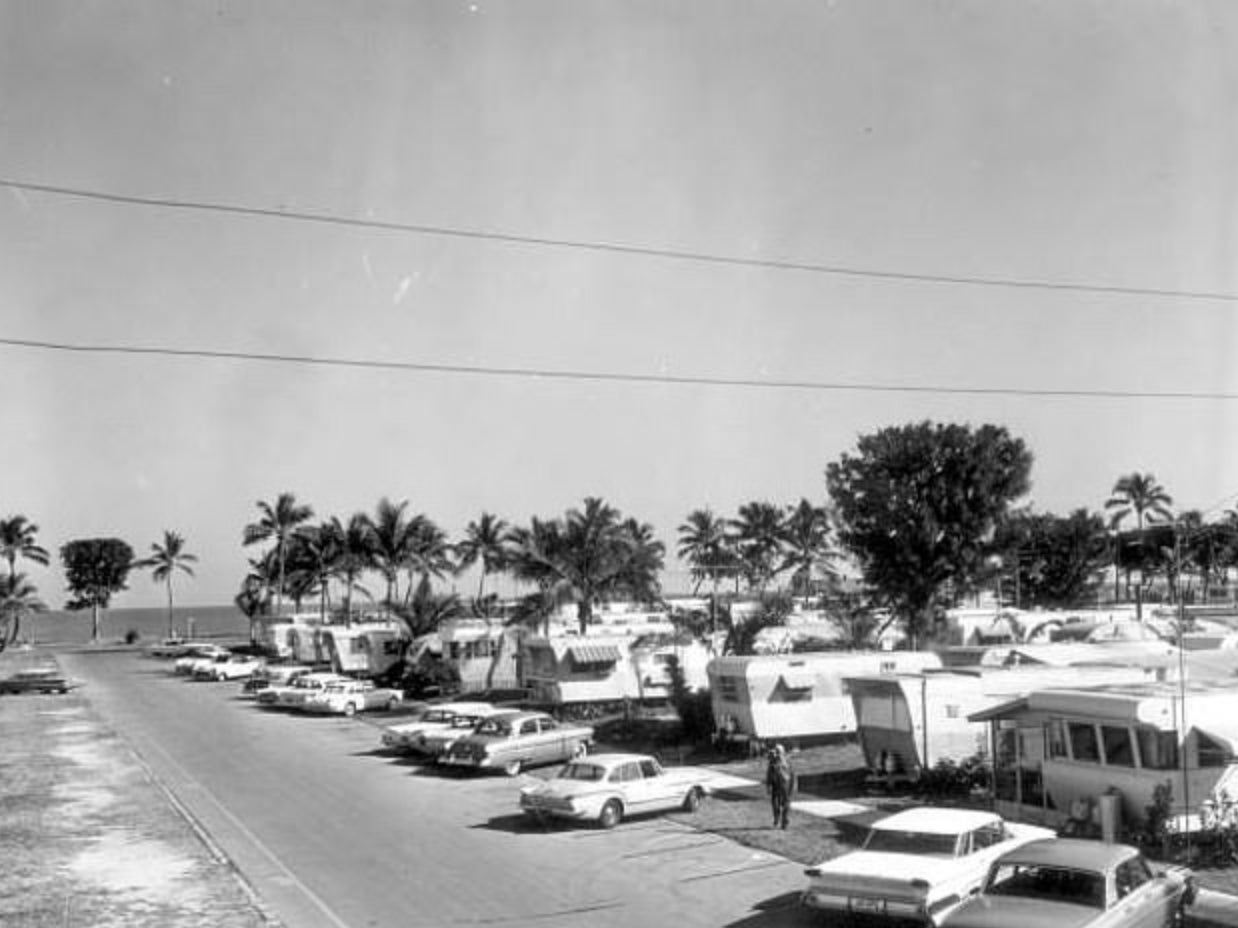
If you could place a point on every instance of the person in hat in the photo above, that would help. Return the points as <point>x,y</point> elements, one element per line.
<point>779,783</point>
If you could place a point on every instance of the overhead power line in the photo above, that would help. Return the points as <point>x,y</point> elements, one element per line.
<point>612,247</point>
<point>598,376</point>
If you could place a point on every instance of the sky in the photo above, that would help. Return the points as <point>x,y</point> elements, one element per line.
<point>777,226</point>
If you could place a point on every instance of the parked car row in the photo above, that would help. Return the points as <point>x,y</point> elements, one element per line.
<point>958,868</point>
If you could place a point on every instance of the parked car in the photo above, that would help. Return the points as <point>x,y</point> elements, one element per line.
<point>170,647</point>
<point>188,662</point>
<point>348,697</point>
<point>606,788</point>
<point>920,864</point>
<point>403,736</point>
<point>232,667</point>
<point>36,680</point>
<point>432,744</point>
<point>513,740</point>
<point>1073,883</point>
<point>293,694</point>
<point>273,675</point>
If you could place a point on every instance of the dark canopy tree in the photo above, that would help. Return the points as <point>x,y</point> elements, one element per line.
<point>919,505</point>
<point>1053,562</point>
<point>95,569</point>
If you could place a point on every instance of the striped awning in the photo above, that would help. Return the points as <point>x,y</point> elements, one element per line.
<point>594,653</point>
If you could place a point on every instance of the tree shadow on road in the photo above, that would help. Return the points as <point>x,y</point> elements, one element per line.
<point>782,911</point>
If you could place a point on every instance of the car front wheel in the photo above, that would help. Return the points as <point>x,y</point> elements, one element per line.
<point>512,767</point>
<point>692,801</point>
<point>611,814</point>
<point>350,710</point>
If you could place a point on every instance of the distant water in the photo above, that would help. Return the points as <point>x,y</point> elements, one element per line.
<point>60,626</point>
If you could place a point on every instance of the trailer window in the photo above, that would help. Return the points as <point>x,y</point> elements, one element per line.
<point>728,688</point>
<point>1211,753</point>
<point>1158,750</point>
<point>1118,749</point>
<point>1057,738</point>
<point>1083,744</point>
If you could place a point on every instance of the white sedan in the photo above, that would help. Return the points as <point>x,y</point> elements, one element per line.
<point>232,667</point>
<point>605,788</point>
<point>198,656</point>
<point>920,864</point>
<point>405,735</point>
<point>348,697</point>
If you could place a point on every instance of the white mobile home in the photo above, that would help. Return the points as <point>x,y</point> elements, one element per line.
<point>1057,748</point>
<point>908,722</point>
<point>365,649</point>
<point>797,697</point>
<point>484,652</point>
<point>575,670</point>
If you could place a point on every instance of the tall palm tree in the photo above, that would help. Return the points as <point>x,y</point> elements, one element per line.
<point>279,520</point>
<point>355,554</point>
<point>18,600</point>
<point>17,539</point>
<point>485,543</point>
<point>164,561</point>
<point>806,536</point>
<point>429,553</point>
<point>392,541</point>
<point>758,539</point>
<point>318,549</point>
<point>1140,495</point>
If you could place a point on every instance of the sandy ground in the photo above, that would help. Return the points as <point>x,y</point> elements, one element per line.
<point>88,838</point>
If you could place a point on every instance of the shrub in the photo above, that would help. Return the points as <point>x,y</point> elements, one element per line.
<point>132,636</point>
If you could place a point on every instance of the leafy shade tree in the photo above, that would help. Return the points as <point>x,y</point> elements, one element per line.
<point>95,570</point>
<point>19,601</point>
<point>17,539</point>
<point>278,522</point>
<point>1054,561</point>
<point>806,544</point>
<point>919,505</point>
<point>1139,495</point>
<point>485,544</point>
<point>164,561</point>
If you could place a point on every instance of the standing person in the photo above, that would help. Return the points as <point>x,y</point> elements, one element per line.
<point>779,783</point>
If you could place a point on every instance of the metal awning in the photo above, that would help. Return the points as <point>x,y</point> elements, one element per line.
<point>594,653</point>
<point>797,679</point>
<point>1000,711</point>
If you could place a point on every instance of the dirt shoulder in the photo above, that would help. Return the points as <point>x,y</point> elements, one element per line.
<point>88,838</point>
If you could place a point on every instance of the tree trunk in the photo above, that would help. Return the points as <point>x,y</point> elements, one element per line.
<point>94,623</point>
<point>171,625</point>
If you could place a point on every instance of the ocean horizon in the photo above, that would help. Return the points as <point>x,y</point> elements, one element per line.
<point>150,623</point>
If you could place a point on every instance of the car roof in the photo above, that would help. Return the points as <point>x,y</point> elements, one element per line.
<point>1072,853</point>
<point>610,760</point>
<point>936,821</point>
<point>462,707</point>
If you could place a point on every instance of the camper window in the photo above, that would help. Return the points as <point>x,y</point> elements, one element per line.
<point>1158,750</point>
<point>1118,749</point>
<point>359,645</point>
<point>1057,738</point>
<point>1083,744</point>
<point>728,688</point>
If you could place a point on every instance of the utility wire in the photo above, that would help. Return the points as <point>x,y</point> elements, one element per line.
<point>611,247</point>
<point>598,376</point>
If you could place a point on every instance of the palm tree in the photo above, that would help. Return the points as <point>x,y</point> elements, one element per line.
<point>355,554</point>
<point>806,535</point>
<point>278,522</point>
<point>165,560</point>
<point>392,543</point>
<point>1141,495</point>
<point>705,544</point>
<point>17,535</point>
<point>429,553</point>
<point>18,600</point>
<point>318,549</point>
<point>758,539</point>
<point>485,543</point>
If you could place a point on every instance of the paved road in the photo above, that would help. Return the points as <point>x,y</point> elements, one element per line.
<point>330,832</point>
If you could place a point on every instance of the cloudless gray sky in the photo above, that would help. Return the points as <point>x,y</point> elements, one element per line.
<point>1067,142</point>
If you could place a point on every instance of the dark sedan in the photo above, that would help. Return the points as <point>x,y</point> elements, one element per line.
<point>1071,883</point>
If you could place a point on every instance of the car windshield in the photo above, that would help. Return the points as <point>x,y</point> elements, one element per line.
<point>494,727</point>
<point>911,842</point>
<point>436,715</point>
<point>1035,881</point>
<point>464,721</point>
<point>579,771</point>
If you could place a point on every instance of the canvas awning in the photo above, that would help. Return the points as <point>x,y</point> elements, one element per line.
<point>594,653</point>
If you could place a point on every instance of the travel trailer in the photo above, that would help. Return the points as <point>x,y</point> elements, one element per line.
<point>366,650</point>
<point>799,698</point>
<point>908,722</point>
<point>1058,750</point>
<point>484,652</point>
